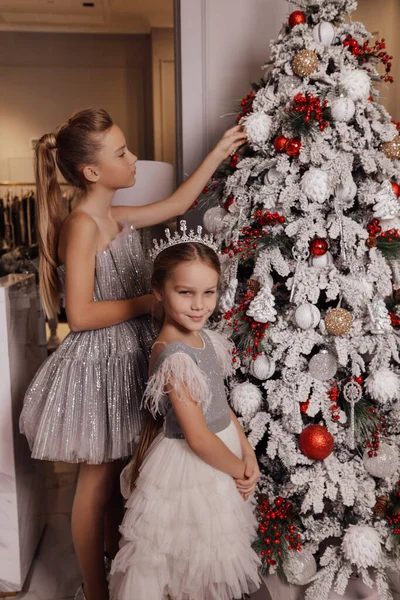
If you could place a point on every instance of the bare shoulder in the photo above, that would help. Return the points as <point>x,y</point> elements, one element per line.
<point>78,228</point>
<point>124,213</point>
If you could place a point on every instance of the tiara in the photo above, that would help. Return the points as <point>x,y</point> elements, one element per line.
<point>173,240</point>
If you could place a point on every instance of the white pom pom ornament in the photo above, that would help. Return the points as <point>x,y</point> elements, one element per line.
<point>315,185</point>
<point>385,464</point>
<point>383,385</point>
<point>356,83</point>
<point>343,110</point>
<point>213,218</point>
<point>262,367</point>
<point>246,400</point>
<point>307,316</point>
<point>258,128</point>
<point>324,33</point>
<point>362,546</point>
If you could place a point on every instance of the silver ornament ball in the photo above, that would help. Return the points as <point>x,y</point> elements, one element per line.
<point>323,366</point>
<point>262,367</point>
<point>213,218</point>
<point>300,567</point>
<point>385,464</point>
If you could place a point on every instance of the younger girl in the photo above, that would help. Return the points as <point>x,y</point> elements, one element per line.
<point>83,405</point>
<point>187,532</point>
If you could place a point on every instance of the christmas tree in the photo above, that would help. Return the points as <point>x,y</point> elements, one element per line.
<point>308,219</point>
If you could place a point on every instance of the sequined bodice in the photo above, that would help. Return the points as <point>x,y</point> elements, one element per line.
<point>217,415</point>
<point>122,271</point>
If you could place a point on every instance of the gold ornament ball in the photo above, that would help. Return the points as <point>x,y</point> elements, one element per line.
<point>338,321</point>
<point>305,63</point>
<point>392,149</point>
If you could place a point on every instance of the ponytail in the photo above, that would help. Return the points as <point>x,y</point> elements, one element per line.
<point>77,143</point>
<point>49,216</point>
<point>149,433</point>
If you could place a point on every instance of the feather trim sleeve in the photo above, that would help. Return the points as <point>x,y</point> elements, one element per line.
<point>177,373</point>
<point>224,350</point>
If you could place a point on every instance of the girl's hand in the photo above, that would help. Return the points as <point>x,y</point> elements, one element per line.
<point>252,474</point>
<point>230,141</point>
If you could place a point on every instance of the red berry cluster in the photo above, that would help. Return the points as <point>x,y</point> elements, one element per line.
<point>264,218</point>
<point>276,528</point>
<point>234,161</point>
<point>390,235</point>
<point>333,396</point>
<point>380,430</point>
<point>365,53</point>
<point>236,315</point>
<point>395,319</point>
<point>392,510</point>
<point>246,104</point>
<point>311,108</point>
<point>247,244</point>
<point>374,228</point>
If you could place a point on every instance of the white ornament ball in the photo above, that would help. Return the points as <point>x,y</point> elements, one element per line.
<point>362,546</point>
<point>383,385</point>
<point>343,110</point>
<point>300,567</point>
<point>246,400</point>
<point>262,367</point>
<point>213,218</point>
<point>385,464</point>
<point>323,366</point>
<point>272,176</point>
<point>320,262</point>
<point>307,316</point>
<point>289,85</point>
<point>324,33</point>
<point>346,191</point>
<point>258,128</point>
<point>356,83</point>
<point>315,185</point>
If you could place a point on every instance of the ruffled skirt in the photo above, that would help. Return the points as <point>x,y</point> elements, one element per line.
<point>187,532</point>
<point>84,402</point>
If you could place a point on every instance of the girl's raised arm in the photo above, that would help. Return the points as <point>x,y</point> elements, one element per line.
<point>183,198</point>
<point>78,244</point>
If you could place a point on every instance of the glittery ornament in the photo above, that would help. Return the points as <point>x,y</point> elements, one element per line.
<point>385,464</point>
<point>297,18</point>
<point>396,189</point>
<point>262,367</point>
<point>362,546</point>
<point>213,218</point>
<point>289,85</point>
<point>293,147</point>
<point>338,321</point>
<point>316,442</point>
<point>280,143</point>
<point>324,33</point>
<point>343,110</point>
<point>305,63</point>
<point>307,316</point>
<point>323,366</point>
<point>392,149</point>
<point>272,176</point>
<point>319,247</point>
<point>300,567</point>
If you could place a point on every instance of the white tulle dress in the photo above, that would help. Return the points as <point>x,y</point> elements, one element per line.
<point>187,532</point>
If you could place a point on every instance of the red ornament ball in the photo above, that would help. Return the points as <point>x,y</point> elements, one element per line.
<point>296,18</point>
<point>396,188</point>
<point>280,143</point>
<point>293,147</point>
<point>319,247</point>
<point>316,442</point>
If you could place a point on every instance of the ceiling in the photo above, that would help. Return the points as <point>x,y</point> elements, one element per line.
<point>103,16</point>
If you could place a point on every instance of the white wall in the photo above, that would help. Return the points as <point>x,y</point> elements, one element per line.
<point>223,45</point>
<point>45,77</point>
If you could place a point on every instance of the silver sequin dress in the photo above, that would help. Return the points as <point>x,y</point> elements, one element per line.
<point>83,404</point>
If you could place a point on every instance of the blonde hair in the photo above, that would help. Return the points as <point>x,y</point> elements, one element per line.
<point>76,146</point>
